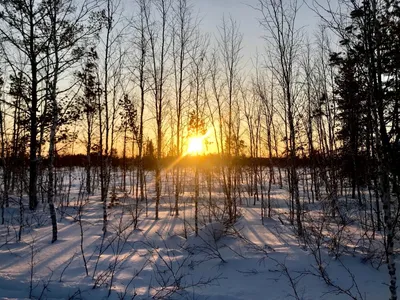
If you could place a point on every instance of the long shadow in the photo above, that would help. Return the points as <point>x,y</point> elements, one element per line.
<point>44,235</point>
<point>65,246</point>
<point>251,227</point>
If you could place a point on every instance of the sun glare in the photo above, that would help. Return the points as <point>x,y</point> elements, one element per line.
<point>195,145</point>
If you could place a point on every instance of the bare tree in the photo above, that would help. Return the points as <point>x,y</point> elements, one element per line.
<point>230,45</point>
<point>265,95</point>
<point>279,21</point>
<point>141,44</point>
<point>197,127</point>
<point>159,45</point>
<point>183,31</point>
<point>111,54</point>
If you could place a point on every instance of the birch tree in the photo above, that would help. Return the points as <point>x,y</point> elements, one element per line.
<point>230,46</point>
<point>159,45</point>
<point>278,18</point>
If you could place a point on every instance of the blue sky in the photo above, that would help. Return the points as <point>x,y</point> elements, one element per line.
<point>212,12</point>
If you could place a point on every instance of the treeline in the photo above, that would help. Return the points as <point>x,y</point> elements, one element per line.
<point>149,162</point>
<point>205,161</point>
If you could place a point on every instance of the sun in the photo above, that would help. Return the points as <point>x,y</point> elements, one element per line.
<point>195,145</point>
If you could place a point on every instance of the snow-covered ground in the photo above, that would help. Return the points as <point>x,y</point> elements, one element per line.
<point>163,258</point>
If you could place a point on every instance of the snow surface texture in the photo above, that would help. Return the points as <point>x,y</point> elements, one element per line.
<point>164,259</point>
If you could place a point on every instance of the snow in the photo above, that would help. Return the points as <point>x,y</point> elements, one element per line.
<point>246,261</point>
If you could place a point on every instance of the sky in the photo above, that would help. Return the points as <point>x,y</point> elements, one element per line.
<point>212,12</point>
